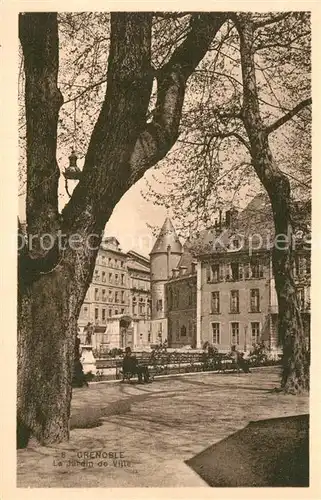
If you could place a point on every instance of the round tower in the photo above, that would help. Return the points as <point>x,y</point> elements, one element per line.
<point>164,257</point>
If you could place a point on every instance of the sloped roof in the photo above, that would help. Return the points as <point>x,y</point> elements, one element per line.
<point>255,221</point>
<point>137,266</point>
<point>167,237</point>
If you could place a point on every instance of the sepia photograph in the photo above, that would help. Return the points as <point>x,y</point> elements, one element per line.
<point>164,248</point>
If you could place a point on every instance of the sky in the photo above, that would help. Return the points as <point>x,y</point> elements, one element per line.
<point>129,220</point>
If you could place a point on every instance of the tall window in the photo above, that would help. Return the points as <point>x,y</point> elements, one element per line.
<point>96,294</point>
<point>235,301</point>
<point>256,270</point>
<point>159,305</point>
<point>116,297</point>
<point>103,314</point>
<point>215,302</point>
<point>116,279</point>
<point>85,313</point>
<point>215,272</point>
<point>123,297</point>
<point>255,332</point>
<point>110,313</point>
<point>110,277</point>
<point>255,300</point>
<point>216,333</point>
<point>96,313</point>
<point>183,331</point>
<point>96,276</point>
<point>237,271</point>
<point>235,333</point>
<point>122,311</point>
<point>103,277</point>
<point>103,295</point>
<point>116,263</point>
<point>122,279</point>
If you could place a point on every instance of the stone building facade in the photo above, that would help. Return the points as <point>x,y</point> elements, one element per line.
<point>111,311</point>
<point>221,290</point>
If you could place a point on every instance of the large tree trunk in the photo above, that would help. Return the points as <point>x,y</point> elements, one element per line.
<point>53,283</point>
<point>295,377</point>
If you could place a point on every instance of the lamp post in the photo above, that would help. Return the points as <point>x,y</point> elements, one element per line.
<point>245,338</point>
<point>72,172</point>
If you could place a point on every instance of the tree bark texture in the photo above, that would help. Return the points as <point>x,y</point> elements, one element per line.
<point>53,282</point>
<point>295,377</point>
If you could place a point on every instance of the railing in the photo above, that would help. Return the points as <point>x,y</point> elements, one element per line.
<point>165,362</point>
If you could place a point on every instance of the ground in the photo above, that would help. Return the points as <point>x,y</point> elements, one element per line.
<point>150,430</point>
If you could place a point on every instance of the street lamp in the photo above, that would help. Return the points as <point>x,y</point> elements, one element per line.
<point>72,172</point>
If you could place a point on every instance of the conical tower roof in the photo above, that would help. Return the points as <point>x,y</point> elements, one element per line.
<point>167,237</point>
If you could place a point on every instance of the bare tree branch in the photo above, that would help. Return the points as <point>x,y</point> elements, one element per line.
<point>290,114</point>
<point>160,135</point>
<point>223,135</point>
<point>271,20</point>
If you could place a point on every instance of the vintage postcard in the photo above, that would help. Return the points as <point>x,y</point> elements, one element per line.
<point>162,292</point>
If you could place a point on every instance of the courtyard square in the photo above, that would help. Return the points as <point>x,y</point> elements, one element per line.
<point>130,435</point>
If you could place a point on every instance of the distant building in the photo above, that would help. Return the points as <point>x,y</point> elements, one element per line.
<point>220,288</point>
<point>116,309</point>
<point>108,294</point>
<point>164,257</point>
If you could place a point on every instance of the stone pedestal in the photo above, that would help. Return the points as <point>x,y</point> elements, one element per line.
<point>87,359</point>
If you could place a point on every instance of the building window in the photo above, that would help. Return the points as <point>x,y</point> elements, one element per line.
<point>236,243</point>
<point>122,311</point>
<point>116,263</point>
<point>235,301</point>
<point>110,295</point>
<point>110,262</point>
<point>256,270</point>
<point>116,279</point>
<point>255,332</point>
<point>190,328</point>
<point>122,279</point>
<point>121,263</point>
<point>103,277</point>
<point>110,278</point>
<point>215,272</point>
<point>148,337</point>
<point>216,339</point>
<point>237,271</point>
<point>103,314</point>
<point>235,333</point>
<point>123,297</point>
<point>110,313</point>
<point>183,331</point>
<point>103,294</point>
<point>134,308</point>
<point>96,313</point>
<point>85,312</point>
<point>96,276</point>
<point>96,294</point>
<point>159,305</point>
<point>255,300</point>
<point>215,303</point>
<point>116,297</point>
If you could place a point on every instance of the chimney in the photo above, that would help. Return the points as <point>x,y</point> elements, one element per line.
<point>228,218</point>
<point>175,272</point>
<point>182,270</point>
